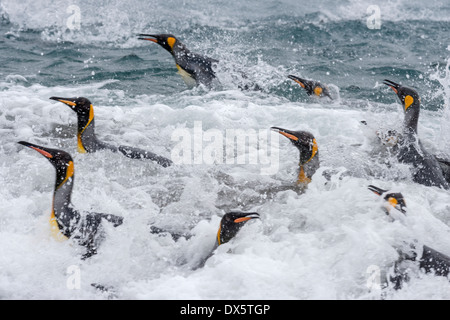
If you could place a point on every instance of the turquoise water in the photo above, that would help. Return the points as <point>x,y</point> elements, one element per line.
<point>339,51</point>
<point>314,245</point>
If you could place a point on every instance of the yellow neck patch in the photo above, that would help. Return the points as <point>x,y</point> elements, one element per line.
<point>302,178</point>
<point>218,236</point>
<point>171,41</point>
<point>318,91</point>
<point>81,148</point>
<point>54,229</point>
<point>408,101</point>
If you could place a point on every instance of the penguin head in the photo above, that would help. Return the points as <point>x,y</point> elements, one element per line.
<point>167,41</point>
<point>392,200</point>
<point>83,107</point>
<point>61,160</point>
<point>409,97</point>
<point>80,105</point>
<point>313,88</point>
<point>231,223</point>
<point>303,141</point>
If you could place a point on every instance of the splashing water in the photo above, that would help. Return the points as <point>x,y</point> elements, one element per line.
<point>324,243</point>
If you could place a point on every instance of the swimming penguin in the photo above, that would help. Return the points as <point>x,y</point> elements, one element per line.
<point>392,200</point>
<point>65,221</point>
<point>230,224</point>
<point>88,141</point>
<point>390,140</point>
<point>431,260</point>
<point>426,169</point>
<point>313,88</point>
<point>309,153</point>
<point>195,69</point>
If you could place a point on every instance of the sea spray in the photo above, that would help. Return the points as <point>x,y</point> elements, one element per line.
<point>443,77</point>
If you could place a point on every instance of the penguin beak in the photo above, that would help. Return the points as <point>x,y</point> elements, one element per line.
<point>68,101</point>
<point>376,190</point>
<point>300,81</point>
<point>287,133</point>
<point>248,216</point>
<point>44,151</point>
<point>393,85</point>
<point>148,37</point>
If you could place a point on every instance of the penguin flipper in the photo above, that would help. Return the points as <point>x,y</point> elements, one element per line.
<point>201,69</point>
<point>445,166</point>
<point>90,232</point>
<point>204,75</point>
<point>136,153</point>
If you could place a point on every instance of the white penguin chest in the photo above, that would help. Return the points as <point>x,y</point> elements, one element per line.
<point>187,78</point>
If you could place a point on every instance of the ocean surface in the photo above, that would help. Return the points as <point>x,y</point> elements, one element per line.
<point>330,242</point>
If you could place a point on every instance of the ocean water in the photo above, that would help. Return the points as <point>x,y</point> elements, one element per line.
<point>330,242</point>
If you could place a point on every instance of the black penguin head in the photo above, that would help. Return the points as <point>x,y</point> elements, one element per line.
<point>80,105</point>
<point>408,97</point>
<point>167,41</point>
<point>231,223</point>
<point>61,160</point>
<point>84,109</point>
<point>313,88</point>
<point>303,140</point>
<point>392,199</point>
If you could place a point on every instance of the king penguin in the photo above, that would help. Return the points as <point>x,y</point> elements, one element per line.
<point>309,153</point>
<point>88,141</point>
<point>313,88</point>
<point>65,221</point>
<point>229,226</point>
<point>430,261</point>
<point>194,68</point>
<point>425,167</point>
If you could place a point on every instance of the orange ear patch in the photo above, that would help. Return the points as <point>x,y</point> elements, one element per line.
<point>393,201</point>
<point>314,150</point>
<point>408,101</point>
<point>318,91</point>
<point>171,41</point>
<point>69,173</point>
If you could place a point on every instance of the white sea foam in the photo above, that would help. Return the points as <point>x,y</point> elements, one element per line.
<point>319,244</point>
<point>322,244</point>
